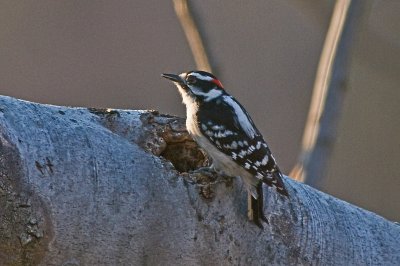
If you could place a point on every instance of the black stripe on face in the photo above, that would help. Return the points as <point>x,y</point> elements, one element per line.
<point>203,81</point>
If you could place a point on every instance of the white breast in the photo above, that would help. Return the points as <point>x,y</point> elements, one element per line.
<point>221,161</point>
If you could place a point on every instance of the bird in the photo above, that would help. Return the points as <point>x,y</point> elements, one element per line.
<point>222,127</point>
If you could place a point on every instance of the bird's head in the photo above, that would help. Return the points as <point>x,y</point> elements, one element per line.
<point>197,85</point>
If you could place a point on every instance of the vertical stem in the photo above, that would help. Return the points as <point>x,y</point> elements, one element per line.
<point>192,34</point>
<point>327,97</point>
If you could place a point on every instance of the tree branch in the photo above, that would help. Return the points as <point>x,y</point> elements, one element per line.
<point>78,188</point>
<point>192,35</point>
<point>328,94</point>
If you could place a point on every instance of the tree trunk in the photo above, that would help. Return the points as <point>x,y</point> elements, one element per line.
<point>79,186</point>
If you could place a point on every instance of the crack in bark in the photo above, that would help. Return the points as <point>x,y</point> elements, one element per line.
<point>167,136</point>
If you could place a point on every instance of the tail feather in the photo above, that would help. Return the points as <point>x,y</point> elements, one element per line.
<point>256,207</point>
<point>275,180</point>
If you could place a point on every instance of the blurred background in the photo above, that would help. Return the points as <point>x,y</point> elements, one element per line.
<point>266,53</point>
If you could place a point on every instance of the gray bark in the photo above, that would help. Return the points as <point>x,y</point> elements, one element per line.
<point>80,187</point>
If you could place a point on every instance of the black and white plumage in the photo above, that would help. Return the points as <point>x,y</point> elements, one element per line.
<point>223,128</point>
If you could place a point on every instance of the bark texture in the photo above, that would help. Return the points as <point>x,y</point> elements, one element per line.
<point>85,186</point>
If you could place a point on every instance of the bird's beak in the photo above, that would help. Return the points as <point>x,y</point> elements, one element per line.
<point>172,77</point>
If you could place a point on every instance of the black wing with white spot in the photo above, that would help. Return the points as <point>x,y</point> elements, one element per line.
<point>227,125</point>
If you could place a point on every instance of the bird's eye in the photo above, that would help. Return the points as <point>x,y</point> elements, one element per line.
<point>191,80</point>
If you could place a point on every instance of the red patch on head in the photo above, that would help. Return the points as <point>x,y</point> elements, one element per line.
<point>218,83</point>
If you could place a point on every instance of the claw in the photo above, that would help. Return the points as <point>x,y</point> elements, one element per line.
<point>205,171</point>
<point>205,177</point>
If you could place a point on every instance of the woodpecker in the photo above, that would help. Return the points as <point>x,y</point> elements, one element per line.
<point>225,131</point>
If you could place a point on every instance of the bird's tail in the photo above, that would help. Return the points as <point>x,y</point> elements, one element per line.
<point>276,180</point>
<point>256,207</point>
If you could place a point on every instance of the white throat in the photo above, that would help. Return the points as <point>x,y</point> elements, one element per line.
<point>191,110</point>
<point>186,98</point>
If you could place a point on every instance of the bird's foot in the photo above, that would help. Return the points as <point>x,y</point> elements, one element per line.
<point>208,172</point>
<point>205,177</point>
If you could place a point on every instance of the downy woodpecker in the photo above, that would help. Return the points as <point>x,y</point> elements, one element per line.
<point>222,127</point>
